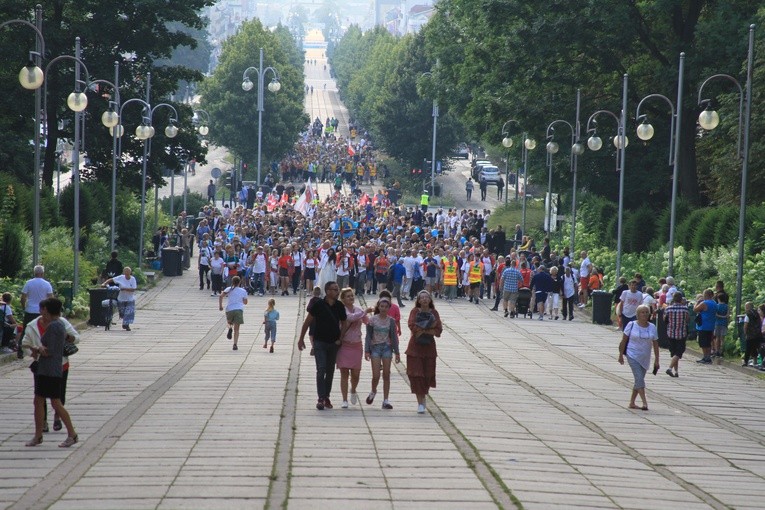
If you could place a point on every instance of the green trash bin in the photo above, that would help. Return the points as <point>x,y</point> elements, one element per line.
<point>65,289</point>
<point>601,307</point>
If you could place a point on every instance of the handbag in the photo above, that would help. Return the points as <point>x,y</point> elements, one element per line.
<point>33,366</point>
<point>70,349</point>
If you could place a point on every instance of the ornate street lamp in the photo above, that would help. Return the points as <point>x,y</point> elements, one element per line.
<point>528,145</point>
<point>273,86</point>
<point>31,77</point>
<point>645,132</point>
<point>620,142</point>
<point>709,119</point>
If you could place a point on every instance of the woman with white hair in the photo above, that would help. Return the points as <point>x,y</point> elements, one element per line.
<point>639,338</point>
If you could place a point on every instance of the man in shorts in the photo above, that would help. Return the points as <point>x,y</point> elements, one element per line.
<point>585,269</point>
<point>541,284</point>
<point>706,307</point>
<point>511,277</point>
<point>676,319</point>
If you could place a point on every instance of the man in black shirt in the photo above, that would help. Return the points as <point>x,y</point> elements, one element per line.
<point>328,316</point>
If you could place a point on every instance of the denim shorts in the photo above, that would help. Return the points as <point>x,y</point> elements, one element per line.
<point>384,351</point>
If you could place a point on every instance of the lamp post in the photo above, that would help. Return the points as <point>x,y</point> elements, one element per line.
<point>709,119</point>
<point>77,102</point>
<point>620,142</point>
<point>202,130</point>
<point>435,131</point>
<point>144,132</point>
<point>273,86</point>
<point>110,119</point>
<point>645,132</point>
<point>31,77</point>
<point>528,145</point>
<point>552,148</point>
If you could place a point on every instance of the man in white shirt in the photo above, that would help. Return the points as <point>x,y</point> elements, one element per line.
<point>259,271</point>
<point>629,301</point>
<point>297,257</point>
<point>34,291</point>
<point>408,264</point>
<point>361,271</point>
<point>585,269</point>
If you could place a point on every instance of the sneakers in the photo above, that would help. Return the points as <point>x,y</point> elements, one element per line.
<point>371,397</point>
<point>421,409</point>
<point>320,404</point>
<point>671,373</point>
<point>327,404</point>
<point>344,405</point>
<point>507,313</point>
<point>271,349</point>
<point>354,398</point>
<point>387,405</point>
<point>230,333</point>
<point>541,318</point>
<point>704,361</point>
<point>69,441</point>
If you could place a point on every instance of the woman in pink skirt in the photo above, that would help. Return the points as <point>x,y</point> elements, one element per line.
<point>351,347</point>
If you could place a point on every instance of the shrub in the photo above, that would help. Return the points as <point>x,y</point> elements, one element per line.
<point>687,228</point>
<point>639,229</point>
<point>11,246</point>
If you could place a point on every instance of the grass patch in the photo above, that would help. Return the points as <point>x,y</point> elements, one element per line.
<point>511,215</point>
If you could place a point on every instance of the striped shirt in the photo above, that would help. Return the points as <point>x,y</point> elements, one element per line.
<point>511,277</point>
<point>676,318</point>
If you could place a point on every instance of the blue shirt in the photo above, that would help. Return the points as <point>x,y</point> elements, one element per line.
<point>708,316</point>
<point>722,309</point>
<point>542,282</point>
<point>398,272</point>
<point>512,277</point>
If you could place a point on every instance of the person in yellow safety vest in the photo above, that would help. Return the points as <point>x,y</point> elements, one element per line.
<point>424,200</point>
<point>372,173</point>
<point>474,277</point>
<point>451,275</point>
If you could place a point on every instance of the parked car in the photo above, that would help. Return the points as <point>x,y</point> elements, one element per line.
<point>477,165</point>
<point>490,173</point>
<point>461,151</point>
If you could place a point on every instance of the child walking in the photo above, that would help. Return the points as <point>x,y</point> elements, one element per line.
<point>270,316</point>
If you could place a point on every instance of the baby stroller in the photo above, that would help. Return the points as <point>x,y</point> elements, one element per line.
<point>523,303</point>
<point>108,305</point>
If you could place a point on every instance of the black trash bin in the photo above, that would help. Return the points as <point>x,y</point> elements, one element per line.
<point>172,261</point>
<point>601,307</point>
<point>97,296</point>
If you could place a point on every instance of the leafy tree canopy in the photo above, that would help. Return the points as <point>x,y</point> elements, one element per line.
<point>234,112</point>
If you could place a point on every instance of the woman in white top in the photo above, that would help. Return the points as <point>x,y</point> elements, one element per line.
<point>216,272</point>
<point>309,273</point>
<point>639,338</point>
<point>126,298</point>
<point>237,298</point>
<point>327,269</point>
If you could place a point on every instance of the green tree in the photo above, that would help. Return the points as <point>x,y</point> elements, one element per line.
<point>134,33</point>
<point>233,111</point>
<point>512,59</point>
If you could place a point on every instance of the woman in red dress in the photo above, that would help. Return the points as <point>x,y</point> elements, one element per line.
<point>425,325</point>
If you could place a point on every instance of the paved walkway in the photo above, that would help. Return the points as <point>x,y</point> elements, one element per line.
<point>526,413</point>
